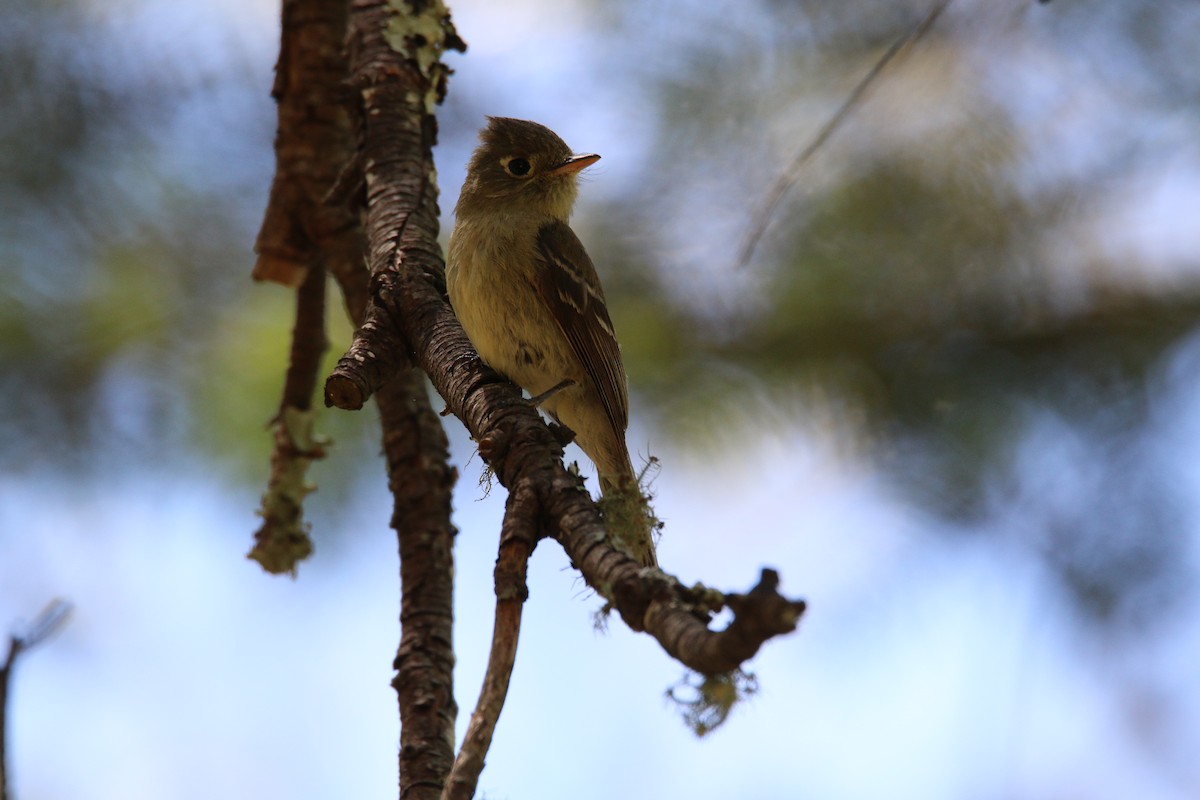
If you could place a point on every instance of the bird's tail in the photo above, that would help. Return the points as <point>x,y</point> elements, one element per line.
<point>627,514</point>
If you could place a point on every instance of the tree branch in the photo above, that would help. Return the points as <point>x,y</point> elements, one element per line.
<point>421,481</point>
<point>758,615</point>
<point>300,237</point>
<point>47,623</point>
<point>518,536</point>
<point>762,217</point>
<point>282,541</point>
<point>312,220</point>
<point>395,67</point>
<point>519,446</point>
<point>313,142</point>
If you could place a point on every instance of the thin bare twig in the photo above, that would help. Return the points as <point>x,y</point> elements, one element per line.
<point>45,625</point>
<point>517,539</point>
<point>789,176</point>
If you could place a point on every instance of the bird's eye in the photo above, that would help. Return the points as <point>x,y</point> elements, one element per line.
<point>518,167</point>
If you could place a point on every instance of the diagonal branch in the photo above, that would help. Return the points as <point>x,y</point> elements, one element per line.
<point>520,447</point>
<point>408,319</point>
<point>762,218</point>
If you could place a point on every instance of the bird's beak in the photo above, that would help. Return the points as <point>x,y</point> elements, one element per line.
<point>574,164</point>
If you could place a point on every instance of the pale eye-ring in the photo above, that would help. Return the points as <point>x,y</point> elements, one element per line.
<point>517,167</point>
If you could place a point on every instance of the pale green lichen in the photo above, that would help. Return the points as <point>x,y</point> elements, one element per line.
<point>283,541</point>
<point>301,429</point>
<point>630,519</point>
<point>705,704</point>
<point>600,618</point>
<point>422,36</point>
<point>485,480</point>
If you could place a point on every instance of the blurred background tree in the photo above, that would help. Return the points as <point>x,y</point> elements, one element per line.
<point>985,288</point>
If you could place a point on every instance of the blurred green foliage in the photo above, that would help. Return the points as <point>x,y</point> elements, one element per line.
<point>944,281</point>
<point>940,284</point>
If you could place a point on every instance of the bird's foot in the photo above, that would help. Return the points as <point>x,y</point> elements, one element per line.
<point>553,390</point>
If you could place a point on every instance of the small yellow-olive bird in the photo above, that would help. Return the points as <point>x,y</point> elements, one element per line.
<point>529,298</point>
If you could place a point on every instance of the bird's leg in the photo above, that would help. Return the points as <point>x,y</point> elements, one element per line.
<point>561,432</point>
<point>553,390</point>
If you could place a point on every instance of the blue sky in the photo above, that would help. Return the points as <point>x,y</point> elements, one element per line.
<point>929,666</point>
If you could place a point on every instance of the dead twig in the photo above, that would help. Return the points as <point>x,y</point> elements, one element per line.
<point>517,539</point>
<point>762,218</point>
<point>45,625</point>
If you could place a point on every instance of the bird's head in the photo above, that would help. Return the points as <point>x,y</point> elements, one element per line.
<point>522,168</point>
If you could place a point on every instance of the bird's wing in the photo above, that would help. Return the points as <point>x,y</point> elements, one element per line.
<point>567,283</point>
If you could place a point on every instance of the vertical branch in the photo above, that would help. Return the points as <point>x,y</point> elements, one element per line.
<point>395,51</point>
<point>391,55</point>
<point>313,141</point>
<point>52,618</point>
<point>421,481</point>
<point>14,649</point>
<point>282,540</point>
<point>300,239</point>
